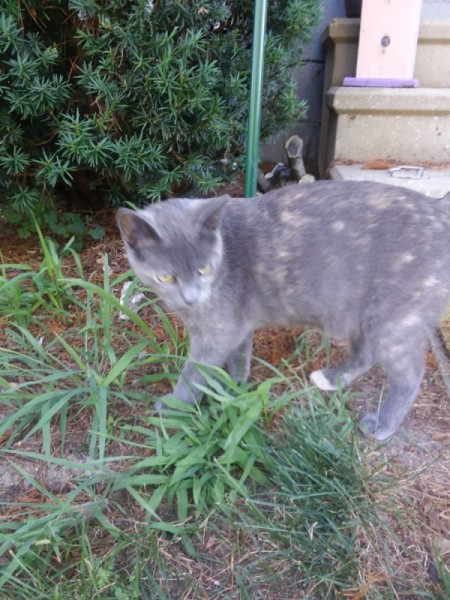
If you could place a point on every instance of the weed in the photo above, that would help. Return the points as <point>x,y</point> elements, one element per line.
<point>204,456</point>
<point>443,575</point>
<point>23,292</point>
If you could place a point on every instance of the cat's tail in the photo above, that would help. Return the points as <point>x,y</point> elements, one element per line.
<point>442,355</point>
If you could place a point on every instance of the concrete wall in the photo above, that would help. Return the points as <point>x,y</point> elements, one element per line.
<point>435,9</point>
<point>310,88</point>
<point>309,79</point>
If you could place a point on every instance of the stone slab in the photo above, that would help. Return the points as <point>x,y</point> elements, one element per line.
<point>405,125</point>
<point>435,182</point>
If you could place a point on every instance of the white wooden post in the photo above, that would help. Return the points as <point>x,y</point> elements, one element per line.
<point>387,44</point>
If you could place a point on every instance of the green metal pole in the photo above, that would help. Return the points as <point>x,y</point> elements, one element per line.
<point>254,120</point>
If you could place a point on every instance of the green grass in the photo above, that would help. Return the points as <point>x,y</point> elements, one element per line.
<point>321,495</point>
<point>262,490</point>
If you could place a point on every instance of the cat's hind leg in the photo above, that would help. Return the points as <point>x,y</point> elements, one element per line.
<point>404,366</point>
<point>359,361</point>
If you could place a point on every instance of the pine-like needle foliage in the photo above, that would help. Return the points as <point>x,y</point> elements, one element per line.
<point>113,100</point>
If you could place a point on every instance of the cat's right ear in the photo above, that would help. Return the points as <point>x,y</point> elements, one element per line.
<point>133,228</point>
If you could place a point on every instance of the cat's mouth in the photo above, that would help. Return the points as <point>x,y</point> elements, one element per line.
<point>187,299</point>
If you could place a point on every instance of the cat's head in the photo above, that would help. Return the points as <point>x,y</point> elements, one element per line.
<point>175,247</point>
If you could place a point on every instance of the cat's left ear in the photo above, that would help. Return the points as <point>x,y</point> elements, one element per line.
<point>211,213</point>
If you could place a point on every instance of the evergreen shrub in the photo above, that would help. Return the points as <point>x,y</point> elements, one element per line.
<point>106,100</point>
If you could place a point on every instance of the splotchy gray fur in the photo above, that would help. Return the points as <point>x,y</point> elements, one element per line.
<point>365,262</point>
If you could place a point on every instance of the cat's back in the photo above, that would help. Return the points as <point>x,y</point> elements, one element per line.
<point>344,243</point>
<point>352,214</point>
<point>354,201</point>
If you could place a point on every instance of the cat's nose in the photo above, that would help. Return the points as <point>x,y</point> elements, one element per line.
<point>190,295</point>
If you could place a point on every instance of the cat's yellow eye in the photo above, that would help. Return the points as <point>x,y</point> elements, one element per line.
<point>166,278</point>
<point>205,270</point>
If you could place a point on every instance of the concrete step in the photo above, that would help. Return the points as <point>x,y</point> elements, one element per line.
<point>406,125</point>
<point>433,182</point>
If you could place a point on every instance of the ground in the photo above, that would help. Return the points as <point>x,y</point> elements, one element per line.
<point>419,454</point>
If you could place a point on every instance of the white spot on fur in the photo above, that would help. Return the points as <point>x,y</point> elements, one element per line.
<point>430,281</point>
<point>294,219</point>
<point>339,226</point>
<point>286,216</point>
<point>406,258</point>
<point>411,321</point>
<point>320,380</point>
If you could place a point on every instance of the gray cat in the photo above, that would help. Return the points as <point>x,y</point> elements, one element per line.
<point>365,262</point>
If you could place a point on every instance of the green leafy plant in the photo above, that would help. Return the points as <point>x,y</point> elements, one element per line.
<point>23,292</point>
<point>101,100</point>
<point>65,224</point>
<point>46,373</point>
<point>207,456</point>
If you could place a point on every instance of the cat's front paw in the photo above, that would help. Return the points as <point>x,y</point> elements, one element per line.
<point>371,426</point>
<point>162,406</point>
